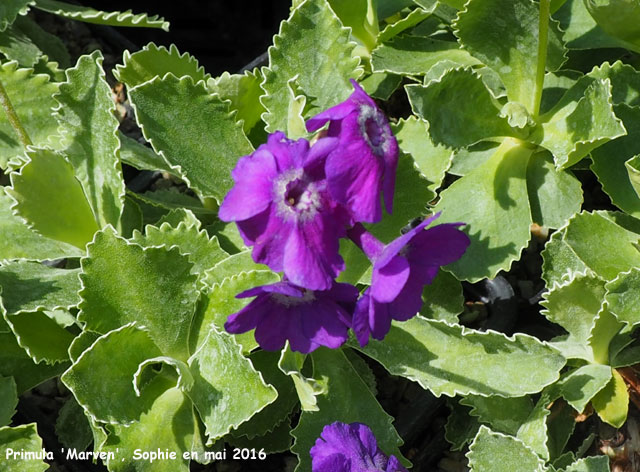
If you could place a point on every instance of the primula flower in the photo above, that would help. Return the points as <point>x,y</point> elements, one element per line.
<point>364,162</point>
<point>284,311</point>
<point>350,448</point>
<point>283,209</point>
<point>401,269</point>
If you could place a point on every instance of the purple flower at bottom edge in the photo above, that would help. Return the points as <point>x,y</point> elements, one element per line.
<point>364,162</point>
<point>283,209</point>
<point>350,448</point>
<point>401,269</point>
<point>307,319</point>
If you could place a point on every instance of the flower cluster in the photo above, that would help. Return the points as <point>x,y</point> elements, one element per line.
<point>350,448</point>
<point>292,202</point>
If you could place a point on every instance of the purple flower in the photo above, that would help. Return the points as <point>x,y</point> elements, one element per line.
<point>350,448</point>
<point>308,319</point>
<point>283,208</point>
<point>401,269</point>
<point>364,162</point>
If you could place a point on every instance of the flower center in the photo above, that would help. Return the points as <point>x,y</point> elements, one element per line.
<point>287,301</point>
<point>374,130</point>
<point>296,196</point>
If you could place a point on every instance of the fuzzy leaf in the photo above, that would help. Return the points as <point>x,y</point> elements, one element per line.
<point>222,302</point>
<point>534,431</point>
<point>114,18</point>
<point>582,384</point>
<point>413,18</point>
<point>313,45</point>
<point>347,399</point>
<point>45,42</point>
<point>124,283</point>
<point>451,105</point>
<point>612,402</point>
<point>432,161</point>
<point>590,464</point>
<point>23,438</point>
<point>496,452</point>
<point>140,156</point>
<point>193,130</point>
<point>451,360</point>
<point>107,365</point>
<point>72,426</point>
<point>232,265</point>
<point>8,400</point>
<point>505,415</point>
<point>611,162</point>
<point>443,298</point>
<point>622,297</point>
<point>461,427</point>
<point>227,389</point>
<point>88,137</point>
<point>168,425</point>
<point>625,82</point>
<point>10,9</point>
<point>381,85</point>
<point>575,305</point>
<point>416,55</point>
<point>580,30</point>
<point>492,201</point>
<point>152,61</point>
<point>579,122</point>
<point>601,241</point>
<point>606,327</point>
<point>503,34</point>
<point>32,98</point>
<point>360,16</point>
<point>554,196</point>
<point>51,200</point>
<point>16,45</point>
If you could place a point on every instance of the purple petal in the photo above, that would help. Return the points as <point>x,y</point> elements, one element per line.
<point>318,154</point>
<point>333,463</point>
<point>393,465</point>
<point>249,317</point>
<point>288,153</point>
<point>387,281</point>
<point>389,179</point>
<point>268,234</point>
<point>440,245</point>
<point>283,288</point>
<point>271,332</point>
<point>367,438</point>
<point>342,292</point>
<point>360,323</point>
<point>395,246</point>
<point>252,192</point>
<point>380,320</point>
<point>322,325</point>
<point>409,301</point>
<point>337,112</point>
<point>298,340</point>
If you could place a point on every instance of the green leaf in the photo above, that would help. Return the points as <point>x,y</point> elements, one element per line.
<point>604,330</point>
<point>167,426</point>
<point>381,85</point>
<point>47,43</point>
<point>232,265</point>
<point>32,98</point>
<point>292,364</point>
<point>596,241</point>
<point>222,302</point>
<point>583,383</point>
<point>413,18</point>
<point>443,298</point>
<point>580,31</point>
<point>574,304</point>
<point>347,399</point>
<point>621,297</point>
<point>503,34</point>
<point>168,366</point>
<point>534,432</point>
<point>361,17</point>
<point>451,360</point>
<point>81,343</point>
<point>88,137</point>
<point>496,452</point>
<point>72,426</point>
<point>10,9</point>
<point>20,242</point>
<point>16,45</point>
<point>497,218</point>
<point>114,18</point>
<point>152,61</point>
<point>612,402</point>
<point>416,55</point>
<point>554,196</point>
<point>590,464</point>
<point>448,111</point>
<point>140,156</point>
<point>505,415</point>
<point>50,198</point>
<point>432,160</point>
<point>107,365</point>
<point>625,82</point>
<point>124,283</point>
<point>313,45</point>
<point>579,122</point>
<point>23,438</point>
<point>461,427</point>
<point>8,400</point>
<point>227,389</point>
<point>611,162</point>
<point>193,130</point>
<point>467,159</point>
<point>278,440</point>
<point>171,199</point>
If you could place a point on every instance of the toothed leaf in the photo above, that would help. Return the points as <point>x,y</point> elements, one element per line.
<point>622,297</point>
<point>612,402</point>
<point>501,414</point>
<point>496,452</point>
<point>10,9</point>
<point>25,439</point>
<point>581,385</point>
<point>8,400</point>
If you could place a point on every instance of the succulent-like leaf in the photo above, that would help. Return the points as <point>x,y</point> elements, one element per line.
<point>113,18</point>
<point>505,415</point>
<point>583,383</point>
<point>23,438</point>
<point>459,108</point>
<point>580,30</point>
<point>16,45</point>
<point>361,17</point>
<point>152,61</point>
<point>590,464</point>
<point>451,360</point>
<point>606,327</point>
<point>232,265</point>
<point>313,45</point>
<point>50,198</point>
<point>140,156</point>
<point>347,399</point>
<point>32,98</point>
<point>612,402</point>
<point>416,55</point>
<point>413,18</point>
<point>622,297</point>
<point>534,431</point>
<point>227,389</point>
<point>497,218</point>
<point>496,452</point>
<point>554,196</point>
<point>10,9</point>
<point>193,130</point>
<point>8,400</point>
<point>88,137</point>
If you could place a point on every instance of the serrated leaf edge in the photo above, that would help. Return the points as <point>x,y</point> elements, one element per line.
<point>185,379</point>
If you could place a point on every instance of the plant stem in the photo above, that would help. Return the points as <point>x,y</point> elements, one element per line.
<point>13,117</point>
<point>543,40</point>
